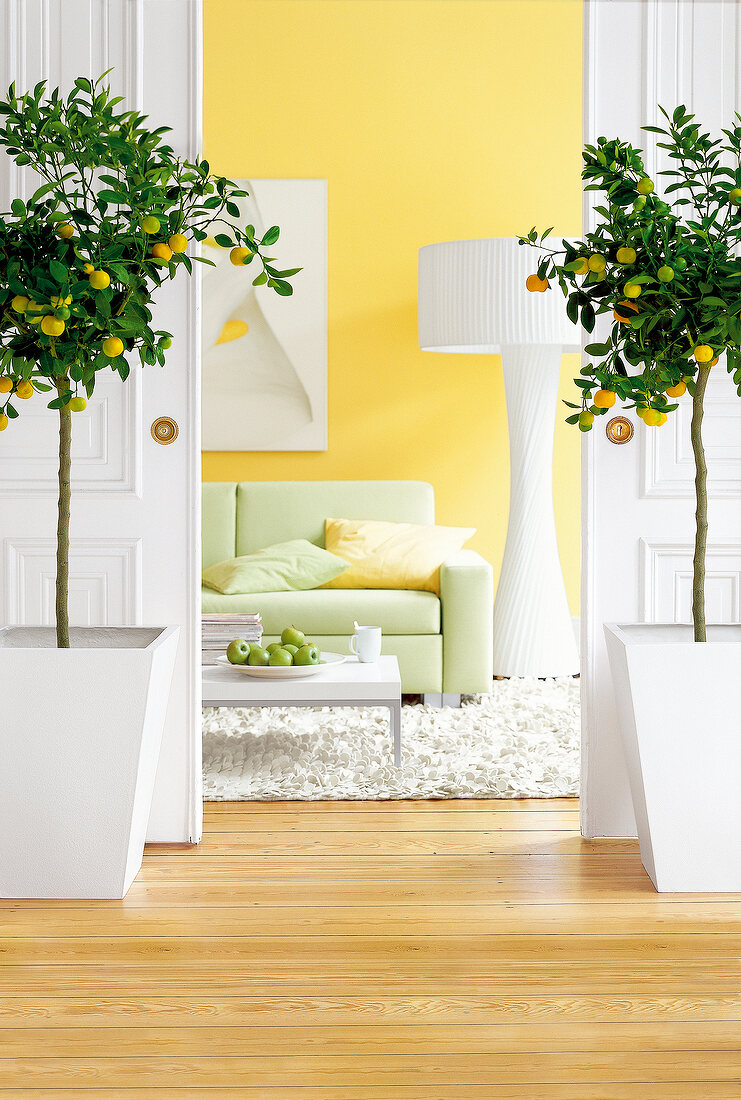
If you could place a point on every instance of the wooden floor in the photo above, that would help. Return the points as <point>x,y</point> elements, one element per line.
<point>377,950</point>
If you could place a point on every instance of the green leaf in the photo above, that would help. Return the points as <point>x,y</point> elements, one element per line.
<point>58,272</point>
<point>271,236</point>
<point>224,240</point>
<point>261,278</point>
<point>18,208</point>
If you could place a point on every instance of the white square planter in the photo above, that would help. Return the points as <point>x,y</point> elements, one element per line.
<point>80,733</point>
<point>679,705</point>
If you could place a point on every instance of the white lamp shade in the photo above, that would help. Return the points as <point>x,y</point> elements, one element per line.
<point>472,299</point>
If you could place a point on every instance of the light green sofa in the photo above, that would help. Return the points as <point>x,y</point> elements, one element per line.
<point>444,646</point>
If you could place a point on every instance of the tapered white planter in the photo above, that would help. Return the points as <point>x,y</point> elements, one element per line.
<point>679,705</point>
<point>80,733</point>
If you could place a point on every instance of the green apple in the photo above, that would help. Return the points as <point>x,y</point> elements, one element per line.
<point>272,647</point>
<point>292,649</point>
<point>238,651</point>
<point>280,658</point>
<point>292,636</point>
<point>307,655</point>
<point>258,656</point>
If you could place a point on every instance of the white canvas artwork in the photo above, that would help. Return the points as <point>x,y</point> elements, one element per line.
<point>265,356</point>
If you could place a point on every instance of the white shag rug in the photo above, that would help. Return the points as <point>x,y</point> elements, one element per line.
<point>522,741</point>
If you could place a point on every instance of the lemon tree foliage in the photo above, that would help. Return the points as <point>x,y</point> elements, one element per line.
<point>666,275</point>
<point>665,272</point>
<point>82,259</point>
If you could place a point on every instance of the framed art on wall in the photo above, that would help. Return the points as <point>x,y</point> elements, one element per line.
<point>265,356</point>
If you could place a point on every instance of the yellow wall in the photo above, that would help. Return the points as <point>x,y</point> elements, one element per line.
<point>432,120</point>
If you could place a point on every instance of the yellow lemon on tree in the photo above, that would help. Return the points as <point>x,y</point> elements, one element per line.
<point>3,422</point>
<point>34,307</point>
<point>586,419</point>
<point>597,263</point>
<point>604,399</point>
<point>735,196</point>
<point>99,280</point>
<point>6,385</point>
<point>178,242</point>
<point>536,285</point>
<point>88,268</point>
<point>239,255</point>
<point>645,186</point>
<point>112,347</point>
<point>65,231</point>
<point>52,326</point>
<point>162,251</point>
<point>583,267</point>
<point>632,290</point>
<point>703,353</point>
<point>20,303</point>
<point>626,255</point>
<point>677,390</point>
<point>150,224</point>
<point>665,274</point>
<point>24,389</point>
<point>651,417</point>
<point>661,420</point>
<point>77,404</point>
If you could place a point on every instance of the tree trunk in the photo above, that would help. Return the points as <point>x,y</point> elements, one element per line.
<point>701,495</point>
<point>65,493</point>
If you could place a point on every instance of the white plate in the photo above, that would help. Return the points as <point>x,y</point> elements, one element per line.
<point>284,672</point>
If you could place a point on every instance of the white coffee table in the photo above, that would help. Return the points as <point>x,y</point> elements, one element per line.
<point>351,684</point>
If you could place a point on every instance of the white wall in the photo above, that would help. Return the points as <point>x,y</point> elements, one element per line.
<point>638,499</point>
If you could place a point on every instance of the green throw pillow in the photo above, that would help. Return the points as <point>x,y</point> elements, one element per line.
<point>293,566</point>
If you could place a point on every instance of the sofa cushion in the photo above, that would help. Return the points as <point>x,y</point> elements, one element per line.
<point>219,521</point>
<point>392,555</point>
<point>323,611</point>
<point>276,511</point>
<point>293,566</point>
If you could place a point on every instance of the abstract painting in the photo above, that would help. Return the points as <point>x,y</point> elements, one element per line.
<point>265,356</point>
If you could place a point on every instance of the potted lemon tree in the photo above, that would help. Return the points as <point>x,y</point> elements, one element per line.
<point>113,217</point>
<point>665,274</point>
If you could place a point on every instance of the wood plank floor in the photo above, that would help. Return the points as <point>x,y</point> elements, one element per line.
<point>377,950</point>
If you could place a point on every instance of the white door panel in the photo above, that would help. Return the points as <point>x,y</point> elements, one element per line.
<point>638,498</point>
<point>135,549</point>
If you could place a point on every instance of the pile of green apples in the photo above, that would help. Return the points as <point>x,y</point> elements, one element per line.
<point>292,649</point>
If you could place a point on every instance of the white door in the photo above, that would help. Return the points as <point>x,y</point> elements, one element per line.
<point>135,550</point>
<point>638,497</point>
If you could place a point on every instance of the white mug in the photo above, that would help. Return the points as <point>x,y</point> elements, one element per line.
<point>366,643</point>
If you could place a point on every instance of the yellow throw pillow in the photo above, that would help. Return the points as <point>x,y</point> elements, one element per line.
<point>391,555</point>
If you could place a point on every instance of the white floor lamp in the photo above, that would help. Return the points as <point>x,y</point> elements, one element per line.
<point>472,300</point>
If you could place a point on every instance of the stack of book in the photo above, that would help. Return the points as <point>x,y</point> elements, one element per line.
<point>218,630</point>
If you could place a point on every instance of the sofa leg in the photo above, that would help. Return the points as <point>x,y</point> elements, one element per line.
<point>437,699</point>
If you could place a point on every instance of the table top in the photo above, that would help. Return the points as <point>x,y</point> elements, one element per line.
<point>351,680</point>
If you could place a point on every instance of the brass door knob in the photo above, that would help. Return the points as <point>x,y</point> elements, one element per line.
<point>619,429</point>
<point>164,430</point>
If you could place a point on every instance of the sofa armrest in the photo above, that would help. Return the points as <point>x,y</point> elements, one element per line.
<point>467,607</point>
